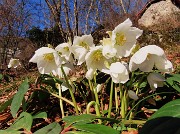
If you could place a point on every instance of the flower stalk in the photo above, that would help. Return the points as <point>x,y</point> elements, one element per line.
<point>110,100</point>
<point>60,100</point>
<point>70,91</point>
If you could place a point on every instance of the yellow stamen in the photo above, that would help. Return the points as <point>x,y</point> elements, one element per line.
<point>97,56</point>
<point>49,57</point>
<point>85,45</point>
<point>120,39</point>
<point>148,56</point>
<point>66,48</point>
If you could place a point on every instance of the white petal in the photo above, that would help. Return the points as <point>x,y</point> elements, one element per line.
<point>98,88</point>
<point>90,73</point>
<point>119,73</point>
<point>46,67</point>
<point>132,95</point>
<point>123,26</point>
<point>64,87</point>
<point>163,65</point>
<point>14,63</point>
<point>117,67</point>
<point>44,50</point>
<point>139,57</point>
<point>34,59</point>
<point>155,80</point>
<point>146,66</point>
<point>109,51</point>
<point>135,32</point>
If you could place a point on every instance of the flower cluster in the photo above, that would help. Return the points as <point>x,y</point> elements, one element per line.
<point>106,56</point>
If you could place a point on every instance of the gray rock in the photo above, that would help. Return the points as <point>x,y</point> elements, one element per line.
<point>163,15</point>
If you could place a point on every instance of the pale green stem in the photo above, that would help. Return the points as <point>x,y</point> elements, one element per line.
<point>116,99</point>
<point>132,113</point>
<point>110,100</point>
<point>64,99</point>
<point>93,103</point>
<point>122,111</point>
<point>137,91</point>
<point>97,103</point>
<point>125,102</point>
<point>122,108</point>
<point>91,89</point>
<point>96,108</point>
<point>102,105</point>
<point>60,100</point>
<point>89,106</point>
<point>70,90</point>
<point>145,99</point>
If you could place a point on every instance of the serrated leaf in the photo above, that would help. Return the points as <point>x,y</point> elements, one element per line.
<point>53,128</point>
<point>166,120</point>
<point>24,121</point>
<point>40,115</point>
<point>18,97</point>
<point>95,128</point>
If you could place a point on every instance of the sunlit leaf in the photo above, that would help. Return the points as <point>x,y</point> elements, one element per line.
<point>18,97</point>
<point>24,121</point>
<point>79,132</point>
<point>10,132</point>
<point>40,115</point>
<point>96,128</point>
<point>79,118</point>
<point>53,128</point>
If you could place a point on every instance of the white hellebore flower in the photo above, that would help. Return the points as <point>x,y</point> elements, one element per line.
<point>64,87</point>
<point>47,60</point>
<point>98,88</point>
<point>108,48</point>
<point>64,51</point>
<point>155,80</point>
<point>124,38</point>
<point>132,95</point>
<point>80,47</point>
<point>149,56</point>
<point>118,72</point>
<point>66,67</point>
<point>95,60</point>
<point>14,63</point>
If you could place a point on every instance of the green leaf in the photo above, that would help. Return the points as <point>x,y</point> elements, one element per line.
<point>174,81</point>
<point>40,115</point>
<point>109,119</point>
<point>18,97</point>
<point>24,121</point>
<point>79,132</point>
<point>166,120</point>
<point>86,118</point>
<point>5,105</point>
<point>1,76</point>
<point>53,128</point>
<point>10,132</point>
<point>96,128</point>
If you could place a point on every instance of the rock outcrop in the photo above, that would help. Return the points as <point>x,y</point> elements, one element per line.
<point>161,16</point>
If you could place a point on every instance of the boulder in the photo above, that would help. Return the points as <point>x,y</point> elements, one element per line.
<point>161,16</point>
